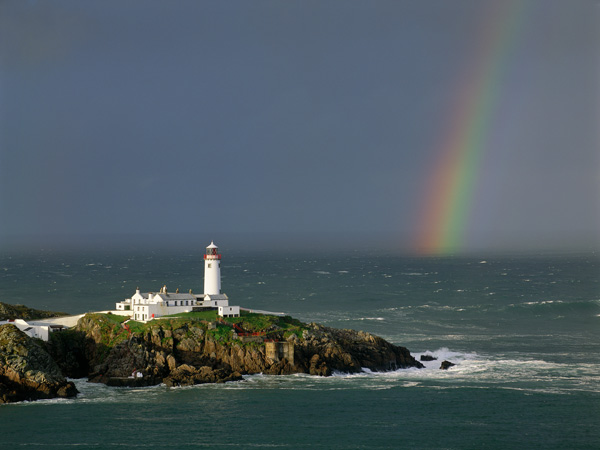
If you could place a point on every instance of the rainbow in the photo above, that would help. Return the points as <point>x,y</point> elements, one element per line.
<point>450,188</point>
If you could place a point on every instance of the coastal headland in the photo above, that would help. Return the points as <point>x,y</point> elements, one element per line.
<point>191,348</point>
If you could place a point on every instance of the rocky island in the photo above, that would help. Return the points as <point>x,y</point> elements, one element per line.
<point>203,348</point>
<point>178,339</point>
<point>192,348</point>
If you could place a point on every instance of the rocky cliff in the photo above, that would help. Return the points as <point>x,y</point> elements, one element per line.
<point>27,371</point>
<point>181,352</point>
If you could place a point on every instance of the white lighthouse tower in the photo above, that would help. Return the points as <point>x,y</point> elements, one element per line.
<point>212,270</point>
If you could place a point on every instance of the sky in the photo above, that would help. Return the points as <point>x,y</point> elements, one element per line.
<point>301,121</point>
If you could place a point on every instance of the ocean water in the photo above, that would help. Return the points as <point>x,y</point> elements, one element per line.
<point>524,332</point>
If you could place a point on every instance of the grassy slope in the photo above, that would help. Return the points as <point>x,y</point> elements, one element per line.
<point>9,312</point>
<point>114,330</point>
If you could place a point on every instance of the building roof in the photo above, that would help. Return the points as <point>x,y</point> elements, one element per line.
<point>212,245</point>
<point>176,296</point>
<point>216,296</point>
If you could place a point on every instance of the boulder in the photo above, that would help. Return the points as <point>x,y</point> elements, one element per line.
<point>446,365</point>
<point>348,351</point>
<point>27,371</point>
<point>428,358</point>
<point>186,375</point>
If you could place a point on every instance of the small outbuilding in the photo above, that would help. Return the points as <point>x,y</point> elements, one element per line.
<point>229,311</point>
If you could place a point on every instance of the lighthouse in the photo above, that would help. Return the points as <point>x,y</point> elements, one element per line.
<point>212,270</point>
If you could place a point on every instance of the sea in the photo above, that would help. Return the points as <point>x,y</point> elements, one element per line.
<point>523,331</point>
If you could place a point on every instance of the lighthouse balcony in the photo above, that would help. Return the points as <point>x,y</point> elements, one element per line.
<point>212,256</point>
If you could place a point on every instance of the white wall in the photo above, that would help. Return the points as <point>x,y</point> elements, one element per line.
<point>212,276</point>
<point>229,311</point>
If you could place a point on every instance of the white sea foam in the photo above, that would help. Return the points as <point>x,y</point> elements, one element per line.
<point>471,370</point>
<point>543,302</point>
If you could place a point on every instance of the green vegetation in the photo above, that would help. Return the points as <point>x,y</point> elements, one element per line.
<point>113,331</point>
<point>9,337</point>
<point>292,326</point>
<point>114,318</point>
<point>201,315</point>
<point>137,327</point>
<point>248,322</point>
<point>271,325</point>
<point>8,312</point>
<point>174,321</point>
<point>222,333</point>
<point>252,322</point>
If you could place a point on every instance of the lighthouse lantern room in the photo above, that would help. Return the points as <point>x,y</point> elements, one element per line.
<point>212,270</point>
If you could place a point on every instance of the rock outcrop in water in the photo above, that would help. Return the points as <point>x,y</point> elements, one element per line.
<point>323,350</point>
<point>183,352</point>
<point>27,371</point>
<point>446,365</point>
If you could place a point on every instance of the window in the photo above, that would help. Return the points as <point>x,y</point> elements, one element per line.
<point>209,265</point>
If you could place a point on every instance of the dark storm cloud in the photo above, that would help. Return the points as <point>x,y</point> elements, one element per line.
<point>191,117</point>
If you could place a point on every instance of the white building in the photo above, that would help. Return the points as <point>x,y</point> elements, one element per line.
<point>229,311</point>
<point>147,306</point>
<point>212,270</point>
<point>37,329</point>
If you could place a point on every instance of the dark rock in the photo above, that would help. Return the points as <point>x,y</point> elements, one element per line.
<point>67,390</point>
<point>318,366</point>
<point>68,349</point>
<point>189,353</point>
<point>186,375</point>
<point>446,365</point>
<point>428,358</point>
<point>27,371</point>
<point>323,350</point>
